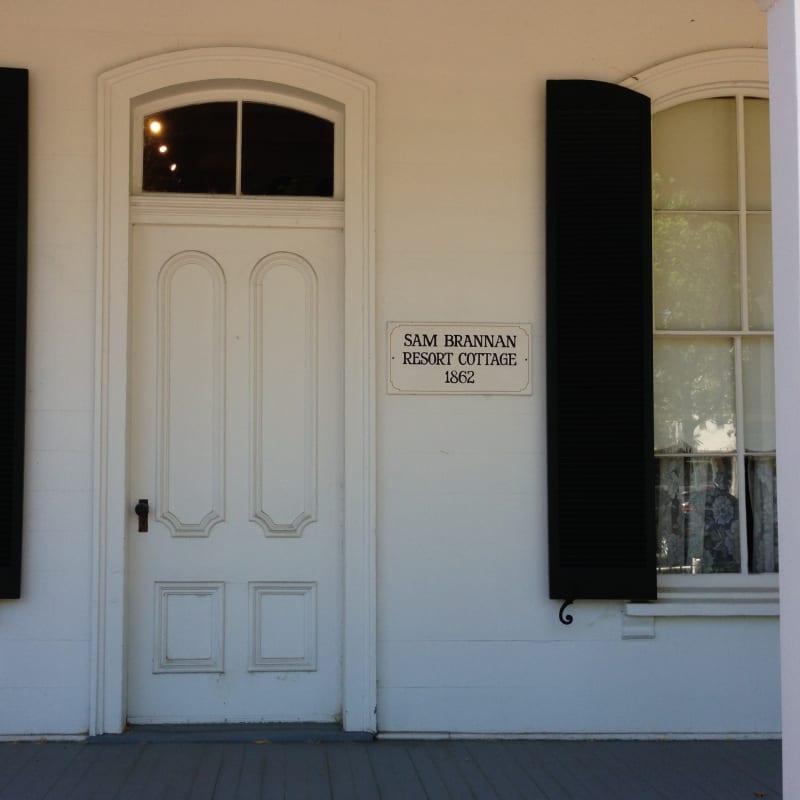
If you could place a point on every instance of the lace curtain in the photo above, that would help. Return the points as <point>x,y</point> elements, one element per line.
<point>763,509</point>
<point>697,515</point>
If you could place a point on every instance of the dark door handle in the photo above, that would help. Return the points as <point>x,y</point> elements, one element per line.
<point>142,509</point>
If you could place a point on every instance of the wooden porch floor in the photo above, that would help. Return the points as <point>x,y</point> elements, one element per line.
<point>529,770</point>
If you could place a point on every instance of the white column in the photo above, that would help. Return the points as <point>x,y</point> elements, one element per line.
<point>784,71</point>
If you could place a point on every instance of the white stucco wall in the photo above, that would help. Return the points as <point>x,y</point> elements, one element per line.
<point>467,639</point>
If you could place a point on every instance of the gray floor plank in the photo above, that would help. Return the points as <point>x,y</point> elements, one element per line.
<point>719,779</point>
<point>273,779</point>
<point>435,770</point>
<point>553,762</point>
<point>143,777</point>
<point>341,776</point>
<point>756,762</point>
<point>95,773</point>
<point>13,758</point>
<point>460,773</point>
<point>307,775</point>
<point>610,765</point>
<point>37,770</point>
<point>503,771</point>
<point>227,778</point>
<point>395,772</point>
<point>421,755</point>
<point>661,764</point>
<point>205,777</point>
<point>251,774</point>
<point>178,765</point>
<point>442,766</point>
<point>525,756</point>
<point>352,777</point>
<point>586,778</point>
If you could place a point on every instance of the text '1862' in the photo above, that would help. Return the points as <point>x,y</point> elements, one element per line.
<point>444,358</point>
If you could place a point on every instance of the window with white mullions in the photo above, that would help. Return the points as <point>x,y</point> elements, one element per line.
<point>713,353</point>
<point>238,148</point>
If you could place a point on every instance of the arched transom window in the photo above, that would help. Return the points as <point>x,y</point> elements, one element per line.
<point>237,147</point>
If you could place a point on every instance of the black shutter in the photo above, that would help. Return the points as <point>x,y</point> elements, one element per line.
<point>599,343</point>
<point>13,303</point>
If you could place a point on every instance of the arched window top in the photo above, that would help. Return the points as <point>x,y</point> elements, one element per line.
<point>714,429</point>
<point>742,71</point>
<point>237,147</point>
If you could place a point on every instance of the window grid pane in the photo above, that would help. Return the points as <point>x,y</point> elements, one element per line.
<point>191,149</point>
<point>759,271</point>
<point>695,156</point>
<point>758,378</point>
<point>762,514</point>
<point>756,144</point>
<point>694,390</point>
<point>286,152</point>
<point>238,148</point>
<point>696,272</point>
<point>697,515</point>
<point>712,272</point>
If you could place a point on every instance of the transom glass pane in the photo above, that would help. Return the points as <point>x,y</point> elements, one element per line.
<point>191,149</point>
<point>756,140</point>
<point>696,272</point>
<point>697,515</point>
<point>194,149</point>
<point>286,152</point>
<point>759,394</point>
<point>759,271</point>
<point>694,156</point>
<point>695,405</point>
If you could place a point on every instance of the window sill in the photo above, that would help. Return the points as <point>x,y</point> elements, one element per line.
<point>680,599</point>
<point>638,619</point>
<point>705,608</point>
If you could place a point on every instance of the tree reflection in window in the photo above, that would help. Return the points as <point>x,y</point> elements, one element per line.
<point>713,372</point>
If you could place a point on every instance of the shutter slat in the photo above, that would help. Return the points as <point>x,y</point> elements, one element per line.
<point>599,343</point>
<point>13,304</point>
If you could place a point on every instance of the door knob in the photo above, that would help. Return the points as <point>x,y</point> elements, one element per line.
<point>142,509</point>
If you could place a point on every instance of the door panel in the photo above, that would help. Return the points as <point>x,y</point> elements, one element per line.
<point>235,592</point>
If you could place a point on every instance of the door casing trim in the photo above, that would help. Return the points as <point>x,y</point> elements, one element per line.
<point>118,91</point>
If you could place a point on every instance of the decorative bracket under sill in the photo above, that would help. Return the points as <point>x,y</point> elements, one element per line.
<point>565,619</point>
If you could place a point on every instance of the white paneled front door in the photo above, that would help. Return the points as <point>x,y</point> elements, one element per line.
<point>236,438</point>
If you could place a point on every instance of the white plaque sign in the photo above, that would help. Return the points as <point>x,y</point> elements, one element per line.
<point>444,358</point>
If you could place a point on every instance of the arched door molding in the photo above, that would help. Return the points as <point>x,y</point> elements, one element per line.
<point>120,90</point>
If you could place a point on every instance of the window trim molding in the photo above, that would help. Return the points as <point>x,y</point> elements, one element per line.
<point>703,75</point>
<point>681,80</point>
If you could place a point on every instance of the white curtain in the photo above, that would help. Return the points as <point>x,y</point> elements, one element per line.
<point>697,519</point>
<point>763,504</point>
<point>680,513</point>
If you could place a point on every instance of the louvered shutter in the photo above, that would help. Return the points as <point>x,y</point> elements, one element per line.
<point>599,343</point>
<point>13,302</point>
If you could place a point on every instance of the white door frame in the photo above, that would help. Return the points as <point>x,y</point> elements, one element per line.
<point>118,91</point>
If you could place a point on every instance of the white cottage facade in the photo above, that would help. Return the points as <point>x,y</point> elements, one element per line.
<point>332,538</point>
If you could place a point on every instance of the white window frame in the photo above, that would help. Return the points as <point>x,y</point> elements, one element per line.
<point>730,73</point>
